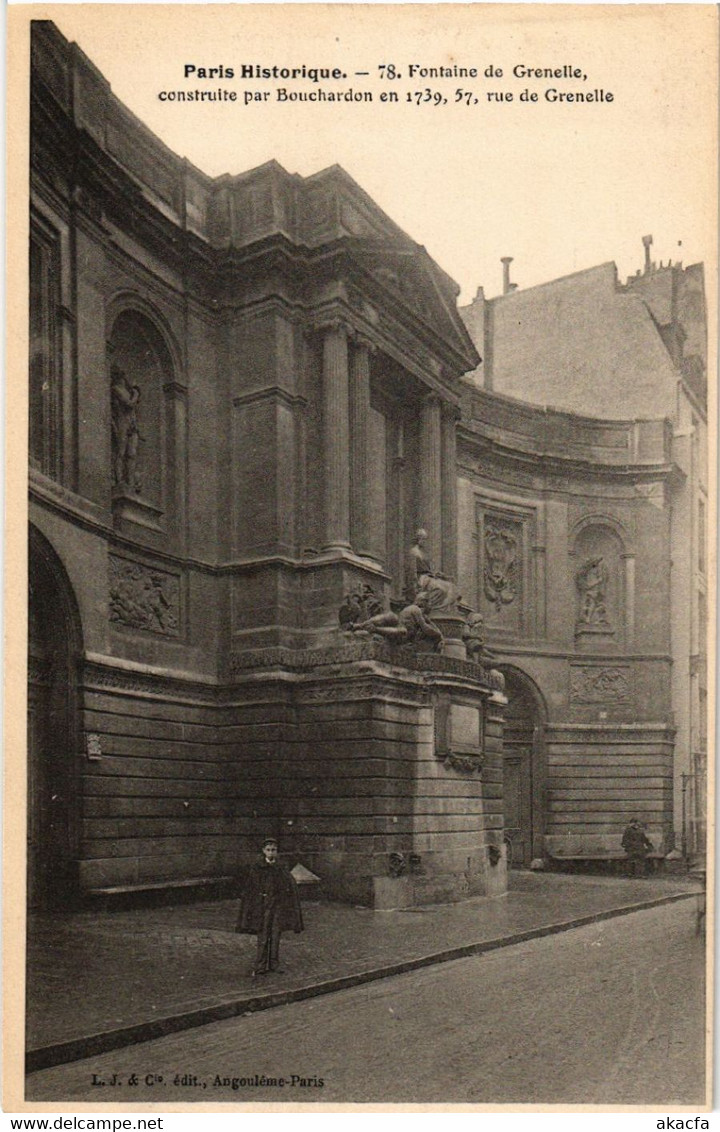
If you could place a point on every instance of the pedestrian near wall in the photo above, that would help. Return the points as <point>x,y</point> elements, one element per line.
<point>637,845</point>
<point>269,906</point>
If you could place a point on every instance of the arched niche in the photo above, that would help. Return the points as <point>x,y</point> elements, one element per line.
<point>602,584</point>
<point>140,374</point>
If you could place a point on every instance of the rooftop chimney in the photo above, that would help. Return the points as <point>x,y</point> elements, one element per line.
<point>506,260</point>
<point>647,243</point>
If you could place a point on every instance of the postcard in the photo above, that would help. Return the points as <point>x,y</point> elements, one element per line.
<point>360,714</point>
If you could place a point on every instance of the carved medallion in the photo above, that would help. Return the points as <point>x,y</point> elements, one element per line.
<point>500,573</point>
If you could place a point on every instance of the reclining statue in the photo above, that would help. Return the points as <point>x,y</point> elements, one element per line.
<point>409,626</point>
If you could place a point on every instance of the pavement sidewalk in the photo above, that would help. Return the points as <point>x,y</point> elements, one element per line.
<point>102,980</point>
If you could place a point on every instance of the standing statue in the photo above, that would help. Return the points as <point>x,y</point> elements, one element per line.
<point>125,432</point>
<point>591,581</point>
<point>440,591</point>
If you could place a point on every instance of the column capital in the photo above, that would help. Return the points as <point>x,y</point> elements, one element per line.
<point>362,341</point>
<point>451,411</point>
<point>323,324</point>
<point>432,400</point>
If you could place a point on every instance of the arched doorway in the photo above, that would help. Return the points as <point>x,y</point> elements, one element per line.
<point>523,768</point>
<point>54,648</point>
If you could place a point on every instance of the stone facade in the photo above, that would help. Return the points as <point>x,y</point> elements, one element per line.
<point>614,543</point>
<point>245,394</point>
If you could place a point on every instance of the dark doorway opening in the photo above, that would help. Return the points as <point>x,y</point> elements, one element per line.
<point>523,769</point>
<point>54,647</point>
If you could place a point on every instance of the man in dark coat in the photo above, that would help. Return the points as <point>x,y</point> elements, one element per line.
<point>637,845</point>
<point>270,905</point>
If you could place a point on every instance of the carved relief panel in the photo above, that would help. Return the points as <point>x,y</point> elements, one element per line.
<point>503,569</point>
<point>502,561</point>
<point>600,684</point>
<point>143,597</point>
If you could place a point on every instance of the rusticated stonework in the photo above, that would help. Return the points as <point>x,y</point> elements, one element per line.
<point>592,684</point>
<point>142,597</point>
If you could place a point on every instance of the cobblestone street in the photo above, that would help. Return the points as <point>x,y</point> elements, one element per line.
<point>606,1014</point>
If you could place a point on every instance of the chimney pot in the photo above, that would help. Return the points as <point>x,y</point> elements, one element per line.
<point>647,242</point>
<point>506,260</point>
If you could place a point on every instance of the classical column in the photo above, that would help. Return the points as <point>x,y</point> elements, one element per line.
<point>360,351</point>
<point>449,490</point>
<point>429,515</point>
<point>336,436</point>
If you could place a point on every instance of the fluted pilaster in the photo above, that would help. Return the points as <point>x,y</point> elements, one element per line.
<point>431,473</point>
<point>449,491</point>
<point>360,351</point>
<point>336,436</point>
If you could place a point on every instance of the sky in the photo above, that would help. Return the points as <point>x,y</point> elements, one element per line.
<point>558,186</point>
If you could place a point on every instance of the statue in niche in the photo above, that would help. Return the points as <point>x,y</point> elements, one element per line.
<point>591,580</point>
<point>473,635</point>
<point>500,572</point>
<point>411,626</point>
<point>125,432</point>
<point>439,590</point>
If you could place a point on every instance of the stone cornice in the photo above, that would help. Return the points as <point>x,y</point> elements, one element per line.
<point>104,180</point>
<point>303,667</point>
<point>473,446</point>
<point>428,664</point>
<point>270,393</point>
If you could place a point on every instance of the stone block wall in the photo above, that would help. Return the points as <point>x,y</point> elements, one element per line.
<point>154,800</point>
<point>180,782</point>
<point>598,778</point>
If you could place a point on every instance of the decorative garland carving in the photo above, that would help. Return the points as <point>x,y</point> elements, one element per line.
<point>464,764</point>
<point>364,650</point>
<point>592,684</point>
<point>97,676</point>
<point>347,690</point>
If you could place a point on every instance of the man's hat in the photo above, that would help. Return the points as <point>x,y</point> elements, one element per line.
<point>269,841</point>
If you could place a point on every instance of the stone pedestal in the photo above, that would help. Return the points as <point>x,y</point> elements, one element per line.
<point>130,506</point>
<point>451,624</point>
<point>379,768</point>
